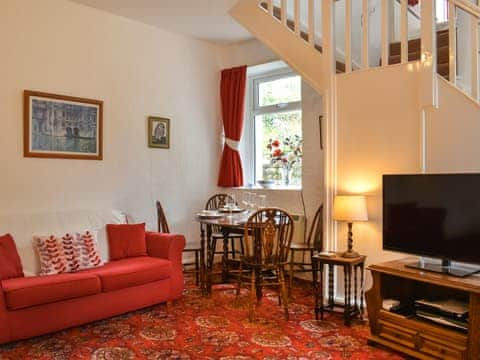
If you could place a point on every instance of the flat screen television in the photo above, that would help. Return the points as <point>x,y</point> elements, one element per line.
<point>435,216</point>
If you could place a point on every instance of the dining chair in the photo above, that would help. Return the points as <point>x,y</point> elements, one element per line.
<point>313,242</point>
<point>216,202</point>
<point>268,234</point>
<point>164,228</point>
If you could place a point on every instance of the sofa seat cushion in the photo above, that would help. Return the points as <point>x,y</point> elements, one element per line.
<point>31,291</point>
<point>120,274</point>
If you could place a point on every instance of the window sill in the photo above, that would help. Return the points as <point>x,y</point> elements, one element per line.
<point>271,188</point>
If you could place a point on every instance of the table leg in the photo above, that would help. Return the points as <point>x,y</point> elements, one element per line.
<point>346,281</point>
<point>225,257</point>
<point>203,280</point>
<point>315,285</point>
<point>210,258</point>
<point>362,287</point>
<point>321,266</point>
<point>355,297</point>
<point>331,287</point>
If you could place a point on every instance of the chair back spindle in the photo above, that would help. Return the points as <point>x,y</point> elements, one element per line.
<point>315,236</point>
<point>162,219</point>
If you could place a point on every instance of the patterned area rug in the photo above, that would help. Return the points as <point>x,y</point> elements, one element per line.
<point>208,328</point>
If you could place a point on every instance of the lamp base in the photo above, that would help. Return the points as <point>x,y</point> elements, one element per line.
<point>350,254</point>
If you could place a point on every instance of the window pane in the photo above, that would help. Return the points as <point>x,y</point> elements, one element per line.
<point>278,147</point>
<point>279,91</point>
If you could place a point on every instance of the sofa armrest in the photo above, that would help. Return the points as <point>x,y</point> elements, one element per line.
<point>4,327</point>
<point>166,246</point>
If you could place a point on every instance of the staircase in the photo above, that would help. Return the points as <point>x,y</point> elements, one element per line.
<point>414,48</point>
<point>277,14</point>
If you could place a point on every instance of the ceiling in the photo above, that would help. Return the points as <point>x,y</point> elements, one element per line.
<point>204,19</point>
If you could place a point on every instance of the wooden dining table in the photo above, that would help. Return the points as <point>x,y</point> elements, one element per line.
<point>228,224</point>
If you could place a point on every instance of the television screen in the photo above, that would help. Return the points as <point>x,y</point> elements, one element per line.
<point>433,215</point>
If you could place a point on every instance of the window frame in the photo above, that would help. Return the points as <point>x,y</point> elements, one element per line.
<point>248,147</point>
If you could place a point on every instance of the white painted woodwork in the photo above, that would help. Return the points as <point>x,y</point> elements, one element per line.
<point>365,34</point>
<point>404,31</point>
<point>385,32</point>
<point>297,17</point>
<point>474,56</point>
<point>311,22</point>
<point>452,44</point>
<point>348,36</point>
<point>270,6</point>
<point>283,12</point>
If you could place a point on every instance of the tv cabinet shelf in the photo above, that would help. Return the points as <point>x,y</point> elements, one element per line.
<point>416,337</point>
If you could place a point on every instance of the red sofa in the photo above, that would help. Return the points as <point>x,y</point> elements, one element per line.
<point>32,306</point>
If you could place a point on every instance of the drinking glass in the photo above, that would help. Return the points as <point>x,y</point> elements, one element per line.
<point>261,201</point>
<point>253,201</point>
<point>246,199</point>
<point>230,203</point>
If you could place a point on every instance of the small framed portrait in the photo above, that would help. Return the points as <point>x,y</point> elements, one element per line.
<point>158,132</point>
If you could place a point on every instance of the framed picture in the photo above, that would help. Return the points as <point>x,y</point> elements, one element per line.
<point>57,126</point>
<point>158,132</point>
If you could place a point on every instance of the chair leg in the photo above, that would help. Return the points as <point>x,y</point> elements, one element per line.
<point>197,268</point>
<point>253,296</point>
<point>232,244</point>
<point>283,291</point>
<point>211,254</point>
<point>290,277</point>
<point>242,246</point>
<point>239,280</point>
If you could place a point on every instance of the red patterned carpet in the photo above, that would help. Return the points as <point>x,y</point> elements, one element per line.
<point>208,328</point>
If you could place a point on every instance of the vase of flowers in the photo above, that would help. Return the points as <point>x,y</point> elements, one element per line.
<point>286,154</point>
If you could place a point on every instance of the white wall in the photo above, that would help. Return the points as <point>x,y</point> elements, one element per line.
<point>379,132</point>
<point>61,47</point>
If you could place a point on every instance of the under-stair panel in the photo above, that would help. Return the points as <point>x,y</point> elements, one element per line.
<point>452,132</point>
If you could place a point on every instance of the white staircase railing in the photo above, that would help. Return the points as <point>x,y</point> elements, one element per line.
<point>365,47</point>
<point>472,12</point>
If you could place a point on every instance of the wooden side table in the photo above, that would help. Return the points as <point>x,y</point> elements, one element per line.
<point>351,309</point>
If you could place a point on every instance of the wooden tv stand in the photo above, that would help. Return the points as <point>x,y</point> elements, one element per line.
<point>413,336</point>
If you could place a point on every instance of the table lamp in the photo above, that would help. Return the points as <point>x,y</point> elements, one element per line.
<point>350,208</point>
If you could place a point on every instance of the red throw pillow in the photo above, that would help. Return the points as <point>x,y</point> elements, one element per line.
<point>10,264</point>
<point>126,240</point>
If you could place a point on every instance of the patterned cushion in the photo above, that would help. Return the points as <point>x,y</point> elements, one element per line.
<point>88,250</point>
<point>70,253</point>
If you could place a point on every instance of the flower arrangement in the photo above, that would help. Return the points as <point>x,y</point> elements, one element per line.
<point>286,153</point>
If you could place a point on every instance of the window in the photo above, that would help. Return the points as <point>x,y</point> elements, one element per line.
<point>274,128</point>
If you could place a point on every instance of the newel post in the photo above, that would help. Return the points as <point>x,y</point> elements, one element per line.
<point>329,69</point>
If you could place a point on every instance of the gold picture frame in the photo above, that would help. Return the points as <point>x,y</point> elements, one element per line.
<point>158,132</point>
<point>63,127</point>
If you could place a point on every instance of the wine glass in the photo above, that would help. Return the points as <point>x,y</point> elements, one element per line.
<point>253,201</point>
<point>230,203</point>
<point>246,199</point>
<point>261,201</point>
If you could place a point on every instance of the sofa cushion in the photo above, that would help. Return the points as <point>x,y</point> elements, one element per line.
<point>71,252</point>
<point>126,240</point>
<point>125,273</point>
<point>10,264</point>
<point>31,291</point>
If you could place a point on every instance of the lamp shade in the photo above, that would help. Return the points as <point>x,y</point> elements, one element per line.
<point>350,208</point>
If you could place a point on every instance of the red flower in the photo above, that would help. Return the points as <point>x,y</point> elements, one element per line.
<point>277,152</point>
<point>276,143</point>
<point>413,2</point>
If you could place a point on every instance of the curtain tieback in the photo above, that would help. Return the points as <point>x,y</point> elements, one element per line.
<point>233,144</point>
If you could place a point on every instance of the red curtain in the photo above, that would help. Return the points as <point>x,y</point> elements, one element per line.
<point>232,96</point>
